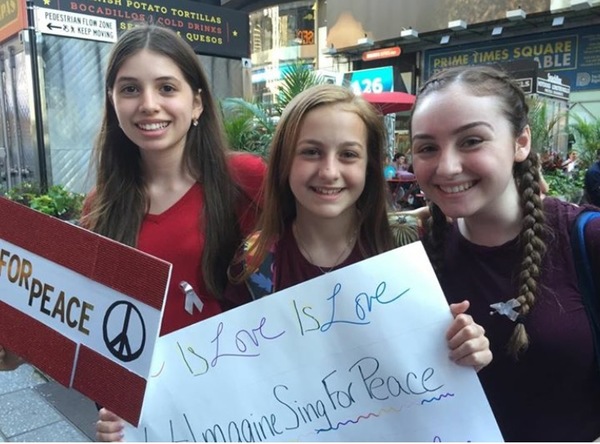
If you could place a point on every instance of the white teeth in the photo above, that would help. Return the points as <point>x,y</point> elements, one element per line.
<point>152,126</point>
<point>328,191</point>
<point>456,188</point>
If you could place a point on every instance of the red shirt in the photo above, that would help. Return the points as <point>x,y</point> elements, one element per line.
<point>176,237</point>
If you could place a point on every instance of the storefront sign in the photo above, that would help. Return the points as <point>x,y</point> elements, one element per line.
<point>552,86</point>
<point>383,53</point>
<point>209,29</point>
<point>12,18</point>
<point>70,24</point>
<point>572,54</point>
<point>526,85</point>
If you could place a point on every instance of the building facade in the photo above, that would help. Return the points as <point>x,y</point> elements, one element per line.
<point>414,39</point>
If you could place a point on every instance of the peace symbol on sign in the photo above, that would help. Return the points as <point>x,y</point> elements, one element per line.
<point>124,331</point>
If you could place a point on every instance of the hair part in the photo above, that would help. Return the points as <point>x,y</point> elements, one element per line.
<point>120,186</point>
<point>491,81</point>
<point>280,204</point>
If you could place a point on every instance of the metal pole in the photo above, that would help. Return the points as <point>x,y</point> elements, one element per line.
<point>5,116</point>
<point>20,158</point>
<point>37,97</point>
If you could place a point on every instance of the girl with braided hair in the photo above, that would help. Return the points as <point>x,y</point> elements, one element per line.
<point>493,239</point>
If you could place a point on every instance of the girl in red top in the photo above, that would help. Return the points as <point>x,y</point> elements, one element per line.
<point>165,181</point>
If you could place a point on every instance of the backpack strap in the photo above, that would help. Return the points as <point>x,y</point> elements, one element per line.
<point>261,282</point>
<point>583,266</point>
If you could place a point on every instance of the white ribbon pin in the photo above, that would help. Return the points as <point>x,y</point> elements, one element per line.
<point>191,298</point>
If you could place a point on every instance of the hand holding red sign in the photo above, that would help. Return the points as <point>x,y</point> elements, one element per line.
<point>84,309</point>
<point>8,360</point>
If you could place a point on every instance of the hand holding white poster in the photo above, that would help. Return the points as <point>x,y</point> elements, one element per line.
<point>358,354</point>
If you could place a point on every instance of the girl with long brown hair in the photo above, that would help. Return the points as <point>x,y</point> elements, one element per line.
<point>166,183</point>
<point>325,205</point>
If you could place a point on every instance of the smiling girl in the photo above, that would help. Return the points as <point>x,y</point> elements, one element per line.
<point>325,205</point>
<point>510,251</point>
<point>166,183</point>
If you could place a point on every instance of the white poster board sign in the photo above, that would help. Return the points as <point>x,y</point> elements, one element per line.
<point>354,355</point>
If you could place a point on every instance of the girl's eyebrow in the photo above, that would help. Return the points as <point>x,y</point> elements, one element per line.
<point>458,130</point>
<point>318,142</point>
<point>159,79</point>
<point>471,125</point>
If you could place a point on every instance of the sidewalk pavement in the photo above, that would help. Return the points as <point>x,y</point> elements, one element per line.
<point>36,408</point>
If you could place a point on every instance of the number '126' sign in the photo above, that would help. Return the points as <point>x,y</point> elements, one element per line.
<point>375,80</point>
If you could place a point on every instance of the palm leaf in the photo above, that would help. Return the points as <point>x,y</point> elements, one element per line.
<point>247,126</point>
<point>296,79</point>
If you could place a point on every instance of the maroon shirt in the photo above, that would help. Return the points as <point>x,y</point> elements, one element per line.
<point>291,267</point>
<point>553,392</point>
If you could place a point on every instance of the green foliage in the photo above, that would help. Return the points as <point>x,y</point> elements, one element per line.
<point>587,140</point>
<point>296,79</point>
<point>542,126</point>
<point>247,126</point>
<point>57,201</point>
<point>23,193</point>
<point>566,186</point>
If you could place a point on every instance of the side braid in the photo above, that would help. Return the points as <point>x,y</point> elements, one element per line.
<point>527,176</point>
<point>491,81</point>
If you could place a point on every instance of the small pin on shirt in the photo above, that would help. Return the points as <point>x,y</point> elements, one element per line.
<point>506,309</point>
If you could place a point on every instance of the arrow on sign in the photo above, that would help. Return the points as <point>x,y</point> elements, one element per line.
<point>51,26</point>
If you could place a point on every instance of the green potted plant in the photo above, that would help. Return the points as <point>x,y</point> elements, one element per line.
<point>250,126</point>
<point>57,201</point>
<point>247,126</point>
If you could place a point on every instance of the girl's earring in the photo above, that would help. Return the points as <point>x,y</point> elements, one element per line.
<point>195,122</point>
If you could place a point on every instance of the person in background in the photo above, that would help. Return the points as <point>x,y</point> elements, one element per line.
<point>389,168</point>
<point>570,164</point>
<point>401,163</point>
<point>493,237</point>
<point>592,182</point>
<point>166,184</point>
<point>325,206</point>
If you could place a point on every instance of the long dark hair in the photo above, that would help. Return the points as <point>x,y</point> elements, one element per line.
<point>120,199</point>
<point>490,81</point>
